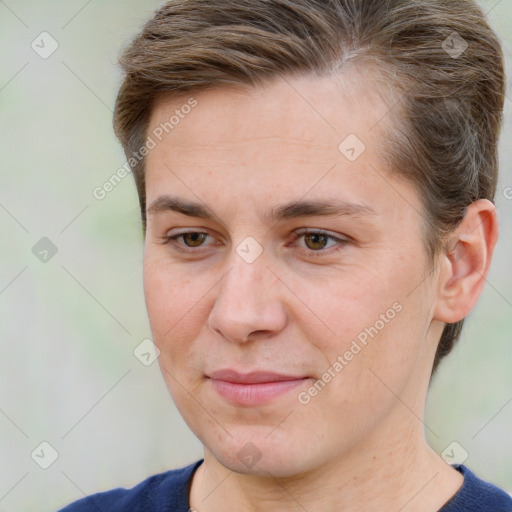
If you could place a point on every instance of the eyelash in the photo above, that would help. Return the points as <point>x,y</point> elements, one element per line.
<point>172,240</point>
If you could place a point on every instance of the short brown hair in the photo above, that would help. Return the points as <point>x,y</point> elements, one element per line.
<point>441,56</point>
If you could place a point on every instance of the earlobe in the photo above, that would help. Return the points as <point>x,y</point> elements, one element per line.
<point>465,262</point>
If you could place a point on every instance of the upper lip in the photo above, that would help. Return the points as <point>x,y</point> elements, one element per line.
<point>255,377</point>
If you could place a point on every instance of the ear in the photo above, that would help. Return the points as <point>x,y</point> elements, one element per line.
<point>465,261</point>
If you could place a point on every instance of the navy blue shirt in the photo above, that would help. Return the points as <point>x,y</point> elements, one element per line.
<point>168,492</point>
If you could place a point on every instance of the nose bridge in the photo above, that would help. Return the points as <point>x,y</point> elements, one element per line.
<point>244,302</point>
<point>245,283</point>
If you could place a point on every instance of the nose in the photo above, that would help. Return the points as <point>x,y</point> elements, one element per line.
<point>248,304</point>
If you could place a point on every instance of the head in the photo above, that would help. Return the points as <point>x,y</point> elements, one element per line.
<point>393,109</point>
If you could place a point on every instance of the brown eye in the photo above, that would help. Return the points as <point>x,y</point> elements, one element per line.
<point>187,241</point>
<point>193,239</point>
<point>315,241</point>
<point>318,243</point>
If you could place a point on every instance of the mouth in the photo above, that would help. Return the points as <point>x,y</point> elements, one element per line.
<point>255,388</point>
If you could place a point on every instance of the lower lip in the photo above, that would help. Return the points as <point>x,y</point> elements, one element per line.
<point>254,394</point>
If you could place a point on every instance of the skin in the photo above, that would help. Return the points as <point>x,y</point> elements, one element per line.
<point>358,444</point>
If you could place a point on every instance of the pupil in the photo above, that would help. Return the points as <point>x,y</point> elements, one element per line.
<point>194,237</point>
<point>315,238</point>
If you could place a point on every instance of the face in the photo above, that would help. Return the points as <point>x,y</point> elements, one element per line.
<point>293,303</point>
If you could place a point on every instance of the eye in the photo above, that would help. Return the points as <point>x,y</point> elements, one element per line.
<point>191,239</point>
<point>316,241</point>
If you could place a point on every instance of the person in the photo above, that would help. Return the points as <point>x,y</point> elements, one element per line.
<point>316,183</point>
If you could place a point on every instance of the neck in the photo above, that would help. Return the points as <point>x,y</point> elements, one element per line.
<point>395,470</point>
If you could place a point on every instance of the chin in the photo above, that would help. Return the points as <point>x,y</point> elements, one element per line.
<point>260,456</point>
<point>273,466</point>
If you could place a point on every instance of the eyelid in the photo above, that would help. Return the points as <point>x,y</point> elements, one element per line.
<point>307,231</point>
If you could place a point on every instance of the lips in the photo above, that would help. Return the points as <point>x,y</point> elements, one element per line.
<point>255,377</point>
<point>254,388</point>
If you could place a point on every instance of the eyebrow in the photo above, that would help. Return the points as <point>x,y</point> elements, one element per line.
<point>290,210</point>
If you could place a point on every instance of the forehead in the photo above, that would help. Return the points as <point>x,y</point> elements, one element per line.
<point>321,110</point>
<point>302,135</point>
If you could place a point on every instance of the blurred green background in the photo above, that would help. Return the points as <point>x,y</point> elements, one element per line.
<point>69,325</point>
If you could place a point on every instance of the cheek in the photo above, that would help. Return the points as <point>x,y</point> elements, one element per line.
<point>173,312</point>
<point>376,326</point>
<point>344,307</point>
<point>160,299</point>
<point>364,374</point>
<point>172,304</point>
